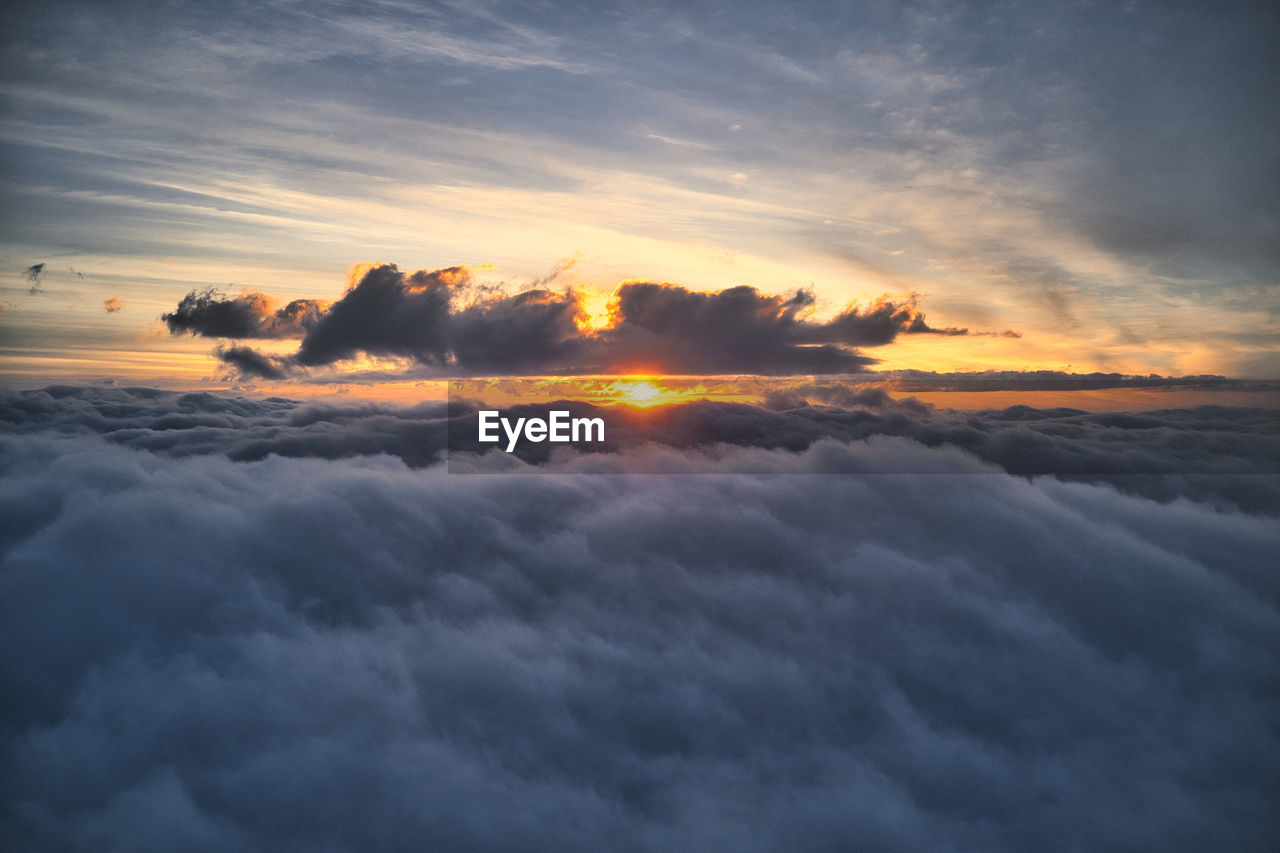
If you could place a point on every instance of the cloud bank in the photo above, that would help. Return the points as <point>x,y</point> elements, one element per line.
<point>439,319</point>
<point>351,654</point>
<point>1227,456</point>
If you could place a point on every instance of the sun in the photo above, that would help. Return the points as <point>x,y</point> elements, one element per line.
<point>641,393</point>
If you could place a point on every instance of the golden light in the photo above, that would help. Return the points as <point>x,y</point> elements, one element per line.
<point>595,311</point>
<point>646,391</point>
<point>642,393</point>
<point>636,390</point>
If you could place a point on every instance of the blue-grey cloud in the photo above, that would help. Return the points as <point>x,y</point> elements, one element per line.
<point>1229,457</point>
<point>353,654</point>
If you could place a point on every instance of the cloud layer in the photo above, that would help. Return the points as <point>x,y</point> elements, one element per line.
<point>437,318</point>
<point>351,654</point>
<point>1230,456</point>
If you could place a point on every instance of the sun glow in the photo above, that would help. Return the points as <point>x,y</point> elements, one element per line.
<point>647,391</point>
<point>636,390</point>
<point>642,393</point>
<point>595,311</point>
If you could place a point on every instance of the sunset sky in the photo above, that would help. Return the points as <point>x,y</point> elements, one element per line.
<point>1082,187</point>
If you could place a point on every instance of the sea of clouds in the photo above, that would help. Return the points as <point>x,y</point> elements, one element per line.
<point>231,624</point>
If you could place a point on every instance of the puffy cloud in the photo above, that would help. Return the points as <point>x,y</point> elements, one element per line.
<point>1226,456</point>
<point>186,424</point>
<point>441,320</point>
<point>387,313</point>
<point>246,361</point>
<point>353,654</point>
<point>669,328</point>
<point>249,315</point>
<point>112,305</point>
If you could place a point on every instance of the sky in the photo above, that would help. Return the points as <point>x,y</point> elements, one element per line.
<point>1076,187</point>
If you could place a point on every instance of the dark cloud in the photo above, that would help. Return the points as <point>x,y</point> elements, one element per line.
<point>537,327</point>
<point>33,274</point>
<point>249,315</point>
<point>388,313</point>
<point>247,361</point>
<point>414,316</point>
<point>877,324</point>
<point>740,330</point>
<point>350,655</point>
<point>440,320</point>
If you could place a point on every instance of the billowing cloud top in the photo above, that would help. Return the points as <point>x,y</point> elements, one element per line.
<point>1229,456</point>
<point>440,319</point>
<point>216,634</point>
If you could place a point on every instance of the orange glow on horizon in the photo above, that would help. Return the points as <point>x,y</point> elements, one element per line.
<point>642,393</point>
<point>645,392</point>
